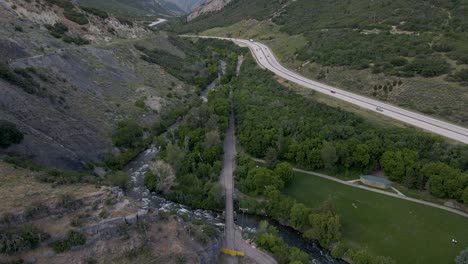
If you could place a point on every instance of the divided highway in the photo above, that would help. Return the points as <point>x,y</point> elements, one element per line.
<point>266,59</point>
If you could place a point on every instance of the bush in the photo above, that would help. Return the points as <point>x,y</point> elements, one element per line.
<point>128,134</point>
<point>75,16</point>
<point>73,239</point>
<point>78,40</point>
<point>57,30</point>
<point>429,67</point>
<point>19,77</point>
<point>20,239</point>
<point>95,11</point>
<point>119,179</point>
<point>151,181</point>
<point>459,76</point>
<point>9,134</point>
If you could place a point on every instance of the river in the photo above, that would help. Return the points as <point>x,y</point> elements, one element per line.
<point>152,202</point>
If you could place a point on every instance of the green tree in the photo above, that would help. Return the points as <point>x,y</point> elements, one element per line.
<point>174,155</point>
<point>285,171</point>
<point>128,134</point>
<point>299,216</point>
<point>328,154</point>
<point>259,178</point>
<point>361,155</point>
<point>151,181</point>
<point>9,134</point>
<point>465,195</point>
<point>325,227</point>
<point>445,181</point>
<point>271,157</point>
<point>397,163</point>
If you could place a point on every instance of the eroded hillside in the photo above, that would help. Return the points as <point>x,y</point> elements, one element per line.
<point>67,79</point>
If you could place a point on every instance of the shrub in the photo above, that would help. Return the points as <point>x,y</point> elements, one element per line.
<point>9,134</point>
<point>119,179</point>
<point>459,76</point>
<point>20,239</point>
<point>36,208</point>
<point>128,134</point>
<point>78,40</point>
<point>75,16</point>
<point>151,181</point>
<point>429,67</point>
<point>95,11</point>
<point>19,77</point>
<point>73,239</point>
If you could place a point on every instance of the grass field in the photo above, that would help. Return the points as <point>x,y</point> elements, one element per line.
<point>406,231</point>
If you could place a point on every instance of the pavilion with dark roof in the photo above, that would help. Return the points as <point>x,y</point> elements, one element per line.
<point>374,181</point>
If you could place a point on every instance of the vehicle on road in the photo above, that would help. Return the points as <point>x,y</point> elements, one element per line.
<point>251,40</point>
<point>380,109</point>
<point>333,92</point>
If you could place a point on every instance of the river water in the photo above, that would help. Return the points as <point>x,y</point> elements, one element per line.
<point>152,202</point>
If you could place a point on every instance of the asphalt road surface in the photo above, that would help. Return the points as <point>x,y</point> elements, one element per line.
<point>266,59</point>
<point>227,179</point>
<point>232,236</point>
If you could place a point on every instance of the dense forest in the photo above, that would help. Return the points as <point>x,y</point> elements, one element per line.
<point>194,152</point>
<point>277,124</point>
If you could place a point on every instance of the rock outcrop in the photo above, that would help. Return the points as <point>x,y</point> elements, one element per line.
<point>208,7</point>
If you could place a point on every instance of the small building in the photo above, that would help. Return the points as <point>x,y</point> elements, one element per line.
<point>374,181</point>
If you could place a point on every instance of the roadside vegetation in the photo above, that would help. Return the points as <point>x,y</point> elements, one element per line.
<point>278,125</point>
<point>366,48</point>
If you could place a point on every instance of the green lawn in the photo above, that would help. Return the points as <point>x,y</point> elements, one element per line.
<point>406,231</point>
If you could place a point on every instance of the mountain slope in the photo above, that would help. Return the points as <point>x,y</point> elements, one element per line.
<point>363,46</point>
<point>67,98</point>
<point>137,9</point>
<point>206,7</point>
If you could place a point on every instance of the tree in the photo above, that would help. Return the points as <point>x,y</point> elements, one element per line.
<point>9,134</point>
<point>328,154</point>
<point>174,155</point>
<point>285,171</point>
<point>271,157</point>
<point>128,134</point>
<point>299,216</point>
<point>259,178</point>
<point>445,181</point>
<point>396,164</point>
<point>151,181</point>
<point>361,155</point>
<point>325,227</point>
<point>164,174</point>
<point>212,139</point>
<point>465,195</point>
<point>462,258</point>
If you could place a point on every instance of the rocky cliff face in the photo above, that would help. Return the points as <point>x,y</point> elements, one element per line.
<point>207,7</point>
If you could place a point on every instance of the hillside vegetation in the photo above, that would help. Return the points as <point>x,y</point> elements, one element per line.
<point>363,46</point>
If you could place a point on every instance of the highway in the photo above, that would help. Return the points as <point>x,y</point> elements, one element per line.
<point>265,58</point>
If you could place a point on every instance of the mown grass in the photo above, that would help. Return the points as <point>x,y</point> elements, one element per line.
<point>406,231</point>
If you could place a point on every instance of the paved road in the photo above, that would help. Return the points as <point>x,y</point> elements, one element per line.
<point>352,184</point>
<point>228,183</point>
<point>233,237</point>
<point>266,59</point>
